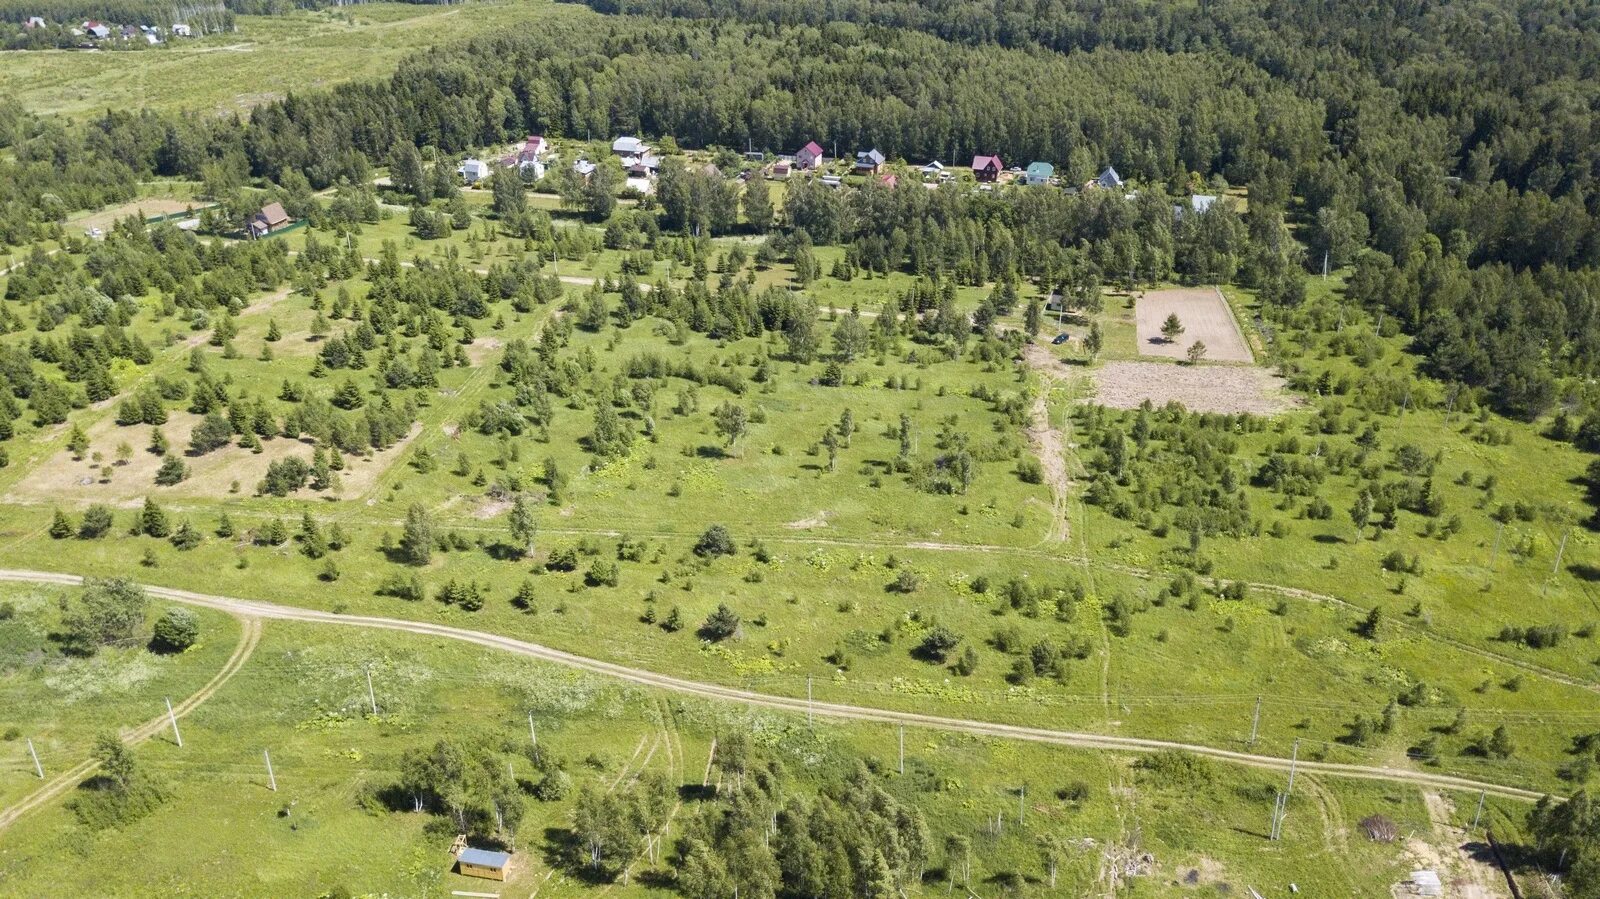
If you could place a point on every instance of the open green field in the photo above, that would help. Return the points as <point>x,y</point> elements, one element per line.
<point>302,697</point>
<point>267,58</point>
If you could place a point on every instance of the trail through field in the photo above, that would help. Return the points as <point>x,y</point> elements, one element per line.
<point>1462,863</point>
<point>1048,443</point>
<point>249,636</point>
<point>1077,739</point>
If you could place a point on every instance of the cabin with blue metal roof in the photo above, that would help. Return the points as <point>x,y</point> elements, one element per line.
<point>483,863</point>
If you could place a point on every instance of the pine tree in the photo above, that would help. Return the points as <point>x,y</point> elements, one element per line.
<point>61,526</point>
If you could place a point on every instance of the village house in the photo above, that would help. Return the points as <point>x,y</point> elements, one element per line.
<point>628,145</point>
<point>181,30</point>
<point>1107,180</point>
<point>584,169</point>
<point>33,22</point>
<point>1199,204</point>
<point>473,170</point>
<point>529,158</point>
<point>1039,173</point>
<point>780,169</point>
<point>97,30</point>
<point>645,165</point>
<point>868,162</point>
<point>987,168</point>
<point>272,217</point>
<point>932,170</point>
<point>809,157</point>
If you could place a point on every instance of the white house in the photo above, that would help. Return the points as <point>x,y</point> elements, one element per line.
<point>181,30</point>
<point>932,169</point>
<point>473,170</point>
<point>628,145</point>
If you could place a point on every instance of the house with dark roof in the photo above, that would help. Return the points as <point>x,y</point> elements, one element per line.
<point>987,168</point>
<point>868,162</point>
<point>809,157</point>
<point>272,217</point>
<point>1107,180</point>
<point>483,863</point>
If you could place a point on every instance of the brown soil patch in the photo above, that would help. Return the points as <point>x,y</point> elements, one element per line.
<point>61,479</point>
<point>482,349</point>
<point>1206,318</point>
<point>1200,388</point>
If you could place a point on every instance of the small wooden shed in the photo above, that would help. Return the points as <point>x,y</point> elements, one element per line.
<point>483,863</point>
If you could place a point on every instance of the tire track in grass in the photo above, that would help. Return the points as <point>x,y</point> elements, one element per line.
<point>249,636</point>
<point>835,710</point>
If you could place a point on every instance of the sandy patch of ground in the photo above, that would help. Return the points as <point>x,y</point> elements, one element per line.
<point>1200,388</point>
<point>1047,441</point>
<point>819,520</point>
<point>489,507</point>
<point>483,348</point>
<point>146,208</point>
<point>1463,861</point>
<point>62,479</point>
<point>1206,318</point>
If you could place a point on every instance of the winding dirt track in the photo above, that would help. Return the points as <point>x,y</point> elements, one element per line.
<point>252,609</point>
<point>249,636</point>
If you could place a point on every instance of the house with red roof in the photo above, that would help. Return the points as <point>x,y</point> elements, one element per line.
<point>809,157</point>
<point>987,168</point>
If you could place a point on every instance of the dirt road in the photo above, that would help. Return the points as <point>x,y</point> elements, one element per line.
<point>1047,441</point>
<point>249,636</point>
<point>265,610</point>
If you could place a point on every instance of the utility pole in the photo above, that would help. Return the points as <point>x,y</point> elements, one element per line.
<point>1022,801</point>
<point>532,734</point>
<point>272,779</point>
<point>371,697</point>
<point>1561,550</point>
<point>902,749</point>
<point>1255,722</point>
<point>809,720</point>
<point>38,768</point>
<point>1294,756</point>
<point>1478,815</point>
<point>174,719</point>
<point>1495,551</point>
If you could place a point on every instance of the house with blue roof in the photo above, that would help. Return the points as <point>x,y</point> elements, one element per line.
<point>483,863</point>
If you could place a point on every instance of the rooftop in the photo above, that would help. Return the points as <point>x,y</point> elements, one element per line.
<point>484,858</point>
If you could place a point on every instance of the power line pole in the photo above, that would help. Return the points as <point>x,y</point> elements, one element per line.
<point>174,719</point>
<point>902,749</point>
<point>1478,815</point>
<point>1022,801</point>
<point>532,734</point>
<point>1561,550</point>
<point>809,720</point>
<point>1495,551</point>
<point>1294,756</point>
<point>371,696</point>
<point>1255,722</point>
<point>38,768</point>
<point>272,779</point>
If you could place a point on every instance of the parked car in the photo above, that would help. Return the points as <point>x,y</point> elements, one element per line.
<point>1059,339</point>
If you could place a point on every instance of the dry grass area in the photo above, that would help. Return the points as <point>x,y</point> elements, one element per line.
<point>144,208</point>
<point>1206,318</point>
<point>1200,388</point>
<point>61,479</point>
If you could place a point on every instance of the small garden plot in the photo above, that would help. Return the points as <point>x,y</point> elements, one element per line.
<point>1204,316</point>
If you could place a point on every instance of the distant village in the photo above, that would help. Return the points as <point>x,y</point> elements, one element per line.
<point>37,33</point>
<point>640,164</point>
